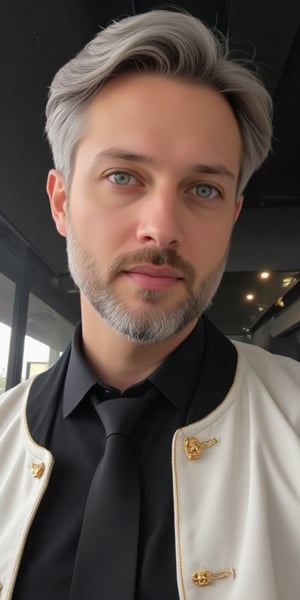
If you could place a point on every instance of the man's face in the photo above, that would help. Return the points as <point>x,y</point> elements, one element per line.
<point>151,204</point>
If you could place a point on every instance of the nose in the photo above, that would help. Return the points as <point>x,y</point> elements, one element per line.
<point>160,223</point>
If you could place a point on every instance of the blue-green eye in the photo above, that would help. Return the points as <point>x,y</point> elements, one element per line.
<point>122,178</point>
<point>205,191</point>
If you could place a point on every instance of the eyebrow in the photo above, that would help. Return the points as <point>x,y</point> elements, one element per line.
<point>123,154</point>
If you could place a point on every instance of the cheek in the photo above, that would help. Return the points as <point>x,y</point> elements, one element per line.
<point>212,238</point>
<point>103,235</point>
<point>207,251</point>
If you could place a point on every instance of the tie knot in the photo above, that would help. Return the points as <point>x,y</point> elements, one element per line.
<point>121,415</point>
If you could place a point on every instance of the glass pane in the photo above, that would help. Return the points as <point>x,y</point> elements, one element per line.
<point>7,293</point>
<point>47,335</point>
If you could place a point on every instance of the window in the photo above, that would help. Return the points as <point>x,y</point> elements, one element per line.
<point>47,335</point>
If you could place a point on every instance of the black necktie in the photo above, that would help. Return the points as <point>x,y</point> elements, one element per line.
<point>106,559</point>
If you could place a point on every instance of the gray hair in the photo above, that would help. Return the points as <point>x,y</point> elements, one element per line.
<point>168,43</point>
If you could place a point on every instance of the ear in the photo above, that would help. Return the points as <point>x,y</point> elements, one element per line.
<point>57,196</point>
<point>238,208</point>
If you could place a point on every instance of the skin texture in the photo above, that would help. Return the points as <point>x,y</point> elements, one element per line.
<point>149,217</point>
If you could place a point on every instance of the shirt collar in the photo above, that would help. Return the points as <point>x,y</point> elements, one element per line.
<point>175,378</point>
<point>80,377</point>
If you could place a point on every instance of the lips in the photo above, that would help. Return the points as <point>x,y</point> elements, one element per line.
<point>153,278</point>
<point>155,272</point>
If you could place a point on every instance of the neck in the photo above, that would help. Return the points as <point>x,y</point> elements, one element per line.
<point>117,361</point>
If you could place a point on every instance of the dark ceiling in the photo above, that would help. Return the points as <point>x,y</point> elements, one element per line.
<point>38,37</point>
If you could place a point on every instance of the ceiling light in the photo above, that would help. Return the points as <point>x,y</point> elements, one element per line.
<point>287,281</point>
<point>260,308</point>
<point>265,274</point>
<point>280,302</point>
<point>249,297</point>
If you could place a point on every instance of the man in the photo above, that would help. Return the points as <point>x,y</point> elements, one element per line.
<point>155,133</point>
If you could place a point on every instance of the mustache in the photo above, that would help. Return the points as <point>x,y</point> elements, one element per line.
<point>165,257</point>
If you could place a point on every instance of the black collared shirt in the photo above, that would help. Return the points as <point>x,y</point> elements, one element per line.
<point>77,441</point>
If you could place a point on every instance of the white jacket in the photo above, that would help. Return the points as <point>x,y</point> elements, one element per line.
<point>236,477</point>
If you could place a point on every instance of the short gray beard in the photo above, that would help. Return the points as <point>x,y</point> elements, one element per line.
<point>151,324</point>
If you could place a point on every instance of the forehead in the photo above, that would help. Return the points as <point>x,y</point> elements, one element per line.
<point>170,118</point>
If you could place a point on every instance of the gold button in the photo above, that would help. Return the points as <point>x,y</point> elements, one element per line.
<point>37,469</point>
<point>193,447</point>
<point>205,577</point>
